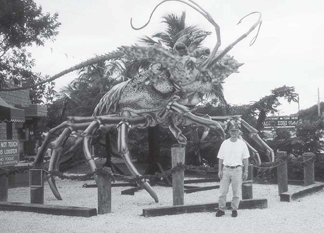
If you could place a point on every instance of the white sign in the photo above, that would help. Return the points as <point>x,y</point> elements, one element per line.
<point>9,153</point>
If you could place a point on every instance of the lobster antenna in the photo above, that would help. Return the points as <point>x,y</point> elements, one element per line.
<point>256,36</point>
<point>228,48</point>
<point>204,13</point>
<point>199,9</point>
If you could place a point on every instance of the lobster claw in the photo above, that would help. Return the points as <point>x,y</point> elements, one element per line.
<point>123,150</point>
<point>53,187</point>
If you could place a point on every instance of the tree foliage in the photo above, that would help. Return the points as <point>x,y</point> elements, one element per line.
<point>22,25</point>
<point>175,28</point>
<point>311,113</point>
<point>308,136</point>
<point>42,92</point>
<point>269,104</point>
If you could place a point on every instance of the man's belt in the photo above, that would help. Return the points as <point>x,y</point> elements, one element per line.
<point>232,166</point>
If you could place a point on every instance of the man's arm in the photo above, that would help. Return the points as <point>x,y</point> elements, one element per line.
<point>220,168</point>
<point>246,168</point>
<point>246,164</point>
<point>220,165</point>
<point>220,157</point>
<point>246,155</point>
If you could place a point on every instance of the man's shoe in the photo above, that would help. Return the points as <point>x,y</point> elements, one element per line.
<point>234,213</point>
<point>220,213</point>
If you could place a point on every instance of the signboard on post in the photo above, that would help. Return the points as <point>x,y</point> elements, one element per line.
<point>9,153</point>
<point>281,122</point>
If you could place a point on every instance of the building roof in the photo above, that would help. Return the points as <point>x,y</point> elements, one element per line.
<point>9,113</point>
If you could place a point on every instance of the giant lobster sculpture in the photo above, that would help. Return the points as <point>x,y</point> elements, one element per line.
<point>163,94</point>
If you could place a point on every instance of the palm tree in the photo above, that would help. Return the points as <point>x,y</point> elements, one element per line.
<point>175,29</point>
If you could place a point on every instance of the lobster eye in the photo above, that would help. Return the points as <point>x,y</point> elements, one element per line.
<point>181,49</point>
<point>180,46</point>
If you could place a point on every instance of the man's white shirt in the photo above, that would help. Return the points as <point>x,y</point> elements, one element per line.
<point>233,153</point>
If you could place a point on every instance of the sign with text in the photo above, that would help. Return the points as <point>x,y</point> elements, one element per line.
<point>281,122</point>
<point>9,152</point>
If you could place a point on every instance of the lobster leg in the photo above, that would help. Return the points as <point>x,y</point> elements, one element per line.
<point>51,133</point>
<point>123,150</point>
<point>253,134</point>
<point>109,121</point>
<point>193,119</point>
<point>57,146</point>
<point>87,144</point>
<point>54,161</point>
<point>177,133</point>
<point>255,155</point>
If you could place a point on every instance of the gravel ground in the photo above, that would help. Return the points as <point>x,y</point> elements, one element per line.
<point>303,215</point>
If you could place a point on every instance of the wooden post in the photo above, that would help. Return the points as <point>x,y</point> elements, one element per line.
<point>3,188</point>
<point>104,192</point>
<point>309,175</point>
<point>247,190</point>
<point>36,184</point>
<point>282,172</point>
<point>178,156</point>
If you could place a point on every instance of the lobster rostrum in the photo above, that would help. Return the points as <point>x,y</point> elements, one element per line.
<point>177,80</point>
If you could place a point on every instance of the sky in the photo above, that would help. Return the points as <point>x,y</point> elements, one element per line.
<point>289,49</point>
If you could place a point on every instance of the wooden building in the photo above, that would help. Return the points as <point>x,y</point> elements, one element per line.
<point>18,119</point>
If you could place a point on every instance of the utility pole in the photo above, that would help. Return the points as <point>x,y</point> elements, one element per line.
<point>318,102</point>
<point>298,103</point>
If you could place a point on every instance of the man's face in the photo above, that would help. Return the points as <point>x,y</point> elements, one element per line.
<point>234,133</point>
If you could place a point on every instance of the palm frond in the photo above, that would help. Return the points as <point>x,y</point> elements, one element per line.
<point>164,38</point>
<point>134,66</point>
<point>174,23</point>
<point>148,40</point>
<point>217,93</point>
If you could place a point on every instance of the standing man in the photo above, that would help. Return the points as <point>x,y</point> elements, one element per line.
<point>233,164</point>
